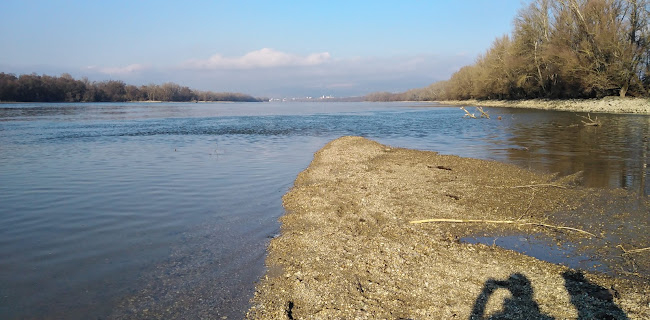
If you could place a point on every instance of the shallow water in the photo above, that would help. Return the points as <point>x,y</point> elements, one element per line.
<point>105,205</point>
<point>537,245</point>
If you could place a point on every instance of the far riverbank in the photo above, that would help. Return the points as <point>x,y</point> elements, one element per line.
<point>605,105</point>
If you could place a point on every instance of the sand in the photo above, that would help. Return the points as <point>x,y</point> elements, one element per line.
<point>347,249</point>
<point>605,105</point>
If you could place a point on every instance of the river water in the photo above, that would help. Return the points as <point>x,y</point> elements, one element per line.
<point>108,208</point>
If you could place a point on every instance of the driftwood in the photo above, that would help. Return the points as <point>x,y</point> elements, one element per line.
<point>590,122</point>
<point>467,114</point>
<point>473,116</point>
<point>483,113</point>
<point>504,222</point>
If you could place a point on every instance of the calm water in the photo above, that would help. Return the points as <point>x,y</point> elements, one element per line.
<point>106,207</point>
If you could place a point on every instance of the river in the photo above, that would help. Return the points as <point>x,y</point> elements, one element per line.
<point>109,207</point>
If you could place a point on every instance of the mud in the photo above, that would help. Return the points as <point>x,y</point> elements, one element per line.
<point>347,249</point>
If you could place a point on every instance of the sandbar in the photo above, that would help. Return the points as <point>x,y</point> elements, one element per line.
<point>605,105</point>
<point>348,249</point>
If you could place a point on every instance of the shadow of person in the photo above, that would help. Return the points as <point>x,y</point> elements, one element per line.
<point>592,301</point>
<point>519,306</point>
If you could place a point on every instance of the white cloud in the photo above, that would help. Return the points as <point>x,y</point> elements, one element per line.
<point>264,58</point>
<point>338,77</point>
<point>272,73</point>
<point>342,85</point>
<point>118,70</point>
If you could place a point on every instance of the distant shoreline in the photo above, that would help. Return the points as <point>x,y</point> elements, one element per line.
<point>606,105</point>
<point>135,101</point>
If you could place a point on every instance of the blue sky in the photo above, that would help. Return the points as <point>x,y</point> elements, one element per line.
<point>264,48</point>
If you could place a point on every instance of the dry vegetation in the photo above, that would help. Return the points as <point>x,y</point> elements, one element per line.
<point>559,49</point>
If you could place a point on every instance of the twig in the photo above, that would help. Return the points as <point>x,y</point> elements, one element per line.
<point>633,274</point>
<point>633,250</point>
<point>530,204</point>
<point>439,167</point>
<point>503,222</point>
<point>540,185</point>
<point>467,114</point>
<point>559,227</point>
<point>452,196</point>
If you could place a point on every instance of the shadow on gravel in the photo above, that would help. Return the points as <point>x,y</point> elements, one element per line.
<point>519,306</point>
<point>591,301</point>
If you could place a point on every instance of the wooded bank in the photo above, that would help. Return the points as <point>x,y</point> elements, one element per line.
<point>44,88</point>
<point>558,49</point>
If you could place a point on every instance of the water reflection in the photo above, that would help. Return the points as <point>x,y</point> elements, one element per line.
<point>613,155</point>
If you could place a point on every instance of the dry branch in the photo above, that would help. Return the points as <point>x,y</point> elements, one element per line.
<point>633,250</point>
<point>483,113</point>
<point>531,186</point>
<point>590,122</point>
<point>467,114</point>
<point>540,185</point>
<point>503,222</point>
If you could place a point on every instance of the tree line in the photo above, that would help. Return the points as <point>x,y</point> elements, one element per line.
<point>44,88</point>
<point>559,49</point>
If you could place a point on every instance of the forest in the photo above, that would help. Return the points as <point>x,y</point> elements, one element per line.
<point>44,88</point>
<point>558,49</point>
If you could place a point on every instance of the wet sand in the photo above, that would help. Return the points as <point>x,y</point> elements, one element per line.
<point>348,250</point>
<point>605,105</point>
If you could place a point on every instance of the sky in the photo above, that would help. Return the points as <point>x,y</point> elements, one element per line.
<point>263,48</point>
